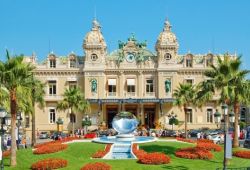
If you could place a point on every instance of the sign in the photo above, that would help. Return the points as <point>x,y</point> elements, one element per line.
<point>228,146</point>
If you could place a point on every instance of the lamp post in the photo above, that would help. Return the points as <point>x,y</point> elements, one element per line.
<point>173,119</point>
<point>227,139</point>
<point>86,121</point>
<point>3,113</point>
<point>19,123</point>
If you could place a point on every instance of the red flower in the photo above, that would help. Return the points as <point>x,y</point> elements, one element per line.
<point>51,163</point>
<point>242,154</point>
<point>154,158</point>
<point>185,140</point>
<point>100,153</point>
<point>90,136</point>
<point>193,153</point>
<point>205,141</point>
<point>6,153</point>
<point>209,146</point>
<point>96,166</point>
<point>50,148</point>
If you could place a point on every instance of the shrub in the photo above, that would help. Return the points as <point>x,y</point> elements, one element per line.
<point>185,140</point>
<point>50,148</point>
<point>209,146</point>
<point>96,166</point>
<point>154,158</point>
<point>67,139</point>
<point>100,153</point>
<point>47,164</point>
<point>242,154</point>
<point>6,153</point>
<point>194,153</point>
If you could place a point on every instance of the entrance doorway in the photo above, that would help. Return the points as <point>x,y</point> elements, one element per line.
<point>131,109</point>
<point>111,112</point>
<point>149,115</point>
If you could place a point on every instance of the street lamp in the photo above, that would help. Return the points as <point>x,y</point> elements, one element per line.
<point>19,123</point>
<point>3,113</point>
<point>86,121</point>
<point>173,119</point>
<point>227,139</point>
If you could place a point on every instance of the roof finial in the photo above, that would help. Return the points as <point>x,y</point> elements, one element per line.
<point>167,25</point>
<point>95,25</point>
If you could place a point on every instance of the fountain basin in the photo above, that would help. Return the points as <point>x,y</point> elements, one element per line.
<point>134,139</point>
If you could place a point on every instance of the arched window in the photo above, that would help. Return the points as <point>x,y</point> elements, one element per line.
<point>209,60</point>
<point>94,57</point>
<point>189,61</point>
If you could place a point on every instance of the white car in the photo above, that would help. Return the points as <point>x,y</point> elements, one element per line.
<point>217,139</point>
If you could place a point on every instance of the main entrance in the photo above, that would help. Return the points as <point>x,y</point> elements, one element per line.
<point>149,115</point>
<point>111,112</point>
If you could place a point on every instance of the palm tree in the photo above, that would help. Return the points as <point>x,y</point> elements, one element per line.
<point>37,96</point>
<point>230,81</point>
<point>73,101</point>
<point>184,96</point>
<point>15,74</point>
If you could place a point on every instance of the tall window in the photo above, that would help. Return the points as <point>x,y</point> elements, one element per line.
<point>189,81</point>
<point>209,115</point>
<point>149,86</point>
<point>112,87</point>
<point>131,86</point>
<point>189,61</point>
<point>72,118</point>
<point>209,60</point>
<point>189,115</point>
<point>72,63</point>
<point>52,115</point>
<point>52,63</point>
<point>52,88</point>
<point>72,84</point>
<point>27,121</point>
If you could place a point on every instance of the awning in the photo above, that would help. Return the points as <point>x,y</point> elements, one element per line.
<point>71,79</point>
<point>112,82</point>
<point>129,100</point>
<point>130,82</point>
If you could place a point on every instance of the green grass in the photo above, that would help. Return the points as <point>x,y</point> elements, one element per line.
<point>79,154</point>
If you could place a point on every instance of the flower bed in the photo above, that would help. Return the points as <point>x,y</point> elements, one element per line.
<point>101,153</point>
<point>51,163</point>
<point>154,158</point>
<point>242,154</point>
<point>67,139</point>
<point>139,153</point>
<point>209,146</point>
<point>96,166</point>
<point>6,153</point>
<point>185,140</point>
<point>205,141</point>
<point>193,153</point>
<point>90,136</point>
<point>50,148</point>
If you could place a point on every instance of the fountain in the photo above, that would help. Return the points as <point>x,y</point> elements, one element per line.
<point>125,124</point>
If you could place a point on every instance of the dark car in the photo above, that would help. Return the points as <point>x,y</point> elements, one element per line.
<point>247,143</point>
<point>58,135</point>
<point>193,133</point>
<point>168,133</point>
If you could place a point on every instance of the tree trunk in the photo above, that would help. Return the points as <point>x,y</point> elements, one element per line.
<point>185,112</point>
<point>236,123</point>
<point>13,107</point>
<point>33,128</point>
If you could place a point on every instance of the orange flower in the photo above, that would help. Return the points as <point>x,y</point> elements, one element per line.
<point>51,163</point>
<point>96,166</point>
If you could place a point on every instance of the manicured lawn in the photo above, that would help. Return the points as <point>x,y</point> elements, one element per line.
<point>79,154</point>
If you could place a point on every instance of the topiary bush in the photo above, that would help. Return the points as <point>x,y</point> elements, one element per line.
<point>193,153</point>
<point>242,154</point>
<point>50,148</point>
<point>154,158</point>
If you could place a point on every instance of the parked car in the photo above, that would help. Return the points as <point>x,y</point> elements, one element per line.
<point>58,135</point>
<point>247,143</point>
<point>44,135</point>
<point>217,139</point>
<point>193,133</point>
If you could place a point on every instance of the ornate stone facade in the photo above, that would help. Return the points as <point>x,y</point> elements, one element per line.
<point>131,78</point>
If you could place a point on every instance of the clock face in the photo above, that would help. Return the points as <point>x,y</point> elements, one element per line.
<point>130,58</point>
<point>167,56</point>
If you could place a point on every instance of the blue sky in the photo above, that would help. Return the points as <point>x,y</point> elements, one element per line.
<point>60,25</point>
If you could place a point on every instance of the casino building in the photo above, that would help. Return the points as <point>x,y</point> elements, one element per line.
<point>131,78</point>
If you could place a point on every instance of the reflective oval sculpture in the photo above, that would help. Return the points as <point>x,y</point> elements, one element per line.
<point>125,122</point>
